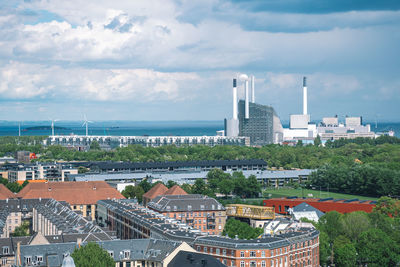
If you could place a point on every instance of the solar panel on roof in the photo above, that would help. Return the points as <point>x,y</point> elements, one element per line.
<point>350,200</point>
<point>325,199</point>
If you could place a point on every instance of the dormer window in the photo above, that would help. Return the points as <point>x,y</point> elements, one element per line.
<point>28,260</point>
<point>6,250</point>
<point>111,253</point>
<point>127,254</point>
<point>39,258</point>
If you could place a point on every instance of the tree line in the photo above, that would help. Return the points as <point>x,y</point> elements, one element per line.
<point>218,182</point>
<point>383,150</point>
<point>360,238</point>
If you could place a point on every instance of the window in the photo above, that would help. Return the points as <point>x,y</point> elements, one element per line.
<point>253,264</point>
<point>272,263</point>
<point>217,251</point>
<point>111,253</point>
<point>28,260</point>
<point>5,250</point>
<point>198,248</point>
<point>263,253</point>
<point>263,264</point>
<point>272,253</point>
<point>224,252</point>
<point>252,253</point>
<point>242,254</point>
<point>39,258</point>
<point>127,254</point>
<point>242,264</point>
<point>205,249</point>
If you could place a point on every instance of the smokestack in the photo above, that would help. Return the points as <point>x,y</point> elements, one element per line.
<point>246,105</point>
<point>253,96</point>
<point>235,102</point>
<point>304,96</point>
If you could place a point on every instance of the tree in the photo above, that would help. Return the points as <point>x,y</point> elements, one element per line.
<point>299,143</point>
<point>25,183</point>
<point>133,192</point>
<point>331,224</point>
<point>14,187</point>
<point>214,177</point>
<point>187,188</point>
<point>376,248</point>
<point>22,230</point>
<point>253,188</point>
<point>82,169</point>
<point>171,183</point>
<point>317,141</point>
<point>94,145</point>
<point>92,255</point>
<point>346,255</point>
<point>388,206</point>
<point>199,186</point>
<point>235,227</point>
<point>354,223</point>
<point>225,186</point>
<point>145,185</point>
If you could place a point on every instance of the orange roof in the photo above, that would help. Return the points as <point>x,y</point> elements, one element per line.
<point>32,181</point>
<point>75,193</point>
<point>5,192</point>
<point>157,190</point>
<point>175,190</point>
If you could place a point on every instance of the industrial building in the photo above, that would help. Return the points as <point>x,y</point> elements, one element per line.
<point>82,142</point>
<point>258,122</point>
<point>285,205</point>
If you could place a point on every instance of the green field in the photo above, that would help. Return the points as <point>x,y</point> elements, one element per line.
<point>286,192</point>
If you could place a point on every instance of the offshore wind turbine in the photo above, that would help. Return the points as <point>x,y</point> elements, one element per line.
<point>86,123</point>
<point>52,126</point>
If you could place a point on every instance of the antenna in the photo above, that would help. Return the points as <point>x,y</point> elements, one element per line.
<point>86,123</point>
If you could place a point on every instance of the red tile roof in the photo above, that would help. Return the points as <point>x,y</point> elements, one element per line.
<point>5,192</point>
<point>158,189</point>
<point>75,193</point>
<point>175,190</point>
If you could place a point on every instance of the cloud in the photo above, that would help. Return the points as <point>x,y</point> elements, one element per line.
<point>34,81</point>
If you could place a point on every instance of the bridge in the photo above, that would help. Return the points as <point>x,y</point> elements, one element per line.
<point>250,212</point>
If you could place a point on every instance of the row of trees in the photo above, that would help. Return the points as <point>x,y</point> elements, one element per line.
<point>362,179</point>
<point>384,150</point>
<point>13,187</point>
<point>360,238</point>
<point>235,228</point>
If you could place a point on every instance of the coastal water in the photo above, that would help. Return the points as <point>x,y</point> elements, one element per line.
<point>137,128</point>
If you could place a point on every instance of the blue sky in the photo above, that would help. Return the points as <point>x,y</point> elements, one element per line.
<point>174,60</point>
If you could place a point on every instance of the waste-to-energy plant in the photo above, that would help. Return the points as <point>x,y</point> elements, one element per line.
<point>262,125</point>
<point>259,122</point>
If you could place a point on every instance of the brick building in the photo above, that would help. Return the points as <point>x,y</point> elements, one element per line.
<point>282,205</point>
<point>81,196</point>
<point>296,247</point>
<point>201,212</point>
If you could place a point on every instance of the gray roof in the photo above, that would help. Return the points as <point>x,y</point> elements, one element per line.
<point>186,258</point>
<point>171,229</point>
<point>186,203</point>
<point>139,249</point>
<point>306,207</point>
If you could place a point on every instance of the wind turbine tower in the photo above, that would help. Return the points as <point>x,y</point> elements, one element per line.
<point>52,126</point>
<point>86,123</point>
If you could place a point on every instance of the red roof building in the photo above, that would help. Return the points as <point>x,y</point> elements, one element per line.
<point>5,192</point>
<point>155,191</point>
<point>282,205</point>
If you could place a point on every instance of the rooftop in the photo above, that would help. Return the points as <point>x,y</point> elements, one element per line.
<point>75,193</point>
<point>5,192</point>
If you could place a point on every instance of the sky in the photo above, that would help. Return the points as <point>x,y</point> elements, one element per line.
<point>175,59</point>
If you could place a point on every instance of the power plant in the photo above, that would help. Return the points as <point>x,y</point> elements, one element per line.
<point>262,125</point>
<point>258,122</point>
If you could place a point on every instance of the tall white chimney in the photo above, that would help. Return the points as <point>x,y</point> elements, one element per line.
<point>304,96</point>
<point>246,103</point>
<point>253,96</point>
<point>235,102</point>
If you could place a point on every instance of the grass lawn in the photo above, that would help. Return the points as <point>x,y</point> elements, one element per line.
<point>286,192</point>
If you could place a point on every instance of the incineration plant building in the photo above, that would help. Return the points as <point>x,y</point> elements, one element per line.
<point>258,122</point>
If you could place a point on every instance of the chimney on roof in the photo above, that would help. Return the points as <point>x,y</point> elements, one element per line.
<point>79,242</point>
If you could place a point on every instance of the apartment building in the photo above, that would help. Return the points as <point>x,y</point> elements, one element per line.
<point>296,247</point>
<point>201,212</point>
<point>81,196</point>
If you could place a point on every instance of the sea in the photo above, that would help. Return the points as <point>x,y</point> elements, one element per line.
<point>138,128</point>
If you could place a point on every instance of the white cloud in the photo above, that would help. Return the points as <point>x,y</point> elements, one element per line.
<point>26,81</point>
